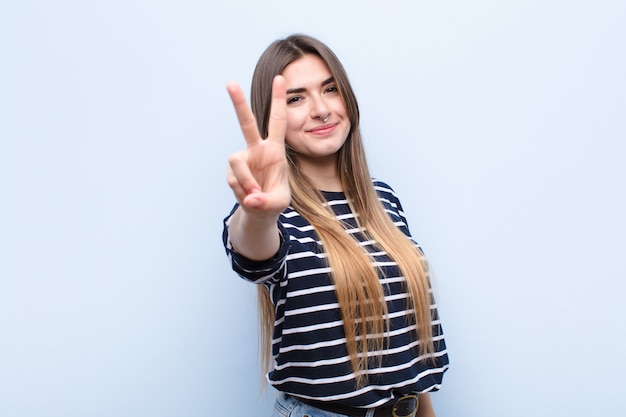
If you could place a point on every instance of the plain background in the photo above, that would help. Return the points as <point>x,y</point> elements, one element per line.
<point>501,125</point>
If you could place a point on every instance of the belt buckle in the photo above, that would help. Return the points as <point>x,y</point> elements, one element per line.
<point>406,406</point>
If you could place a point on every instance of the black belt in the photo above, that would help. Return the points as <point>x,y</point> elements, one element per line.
<point>405,406</point>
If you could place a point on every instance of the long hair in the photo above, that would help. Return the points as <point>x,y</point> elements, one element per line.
<point>357,284</point>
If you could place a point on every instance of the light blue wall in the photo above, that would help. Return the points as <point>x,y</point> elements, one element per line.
<point>500,124</point>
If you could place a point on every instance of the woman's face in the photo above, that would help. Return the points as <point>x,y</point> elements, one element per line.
<point>317,120</point>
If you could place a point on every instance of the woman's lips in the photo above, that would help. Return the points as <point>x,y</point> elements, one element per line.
<point>323,129</point>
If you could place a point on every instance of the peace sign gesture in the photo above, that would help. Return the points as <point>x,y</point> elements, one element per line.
<point>258,176</point>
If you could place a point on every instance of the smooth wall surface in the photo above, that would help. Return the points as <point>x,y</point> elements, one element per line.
<point>501,125</point>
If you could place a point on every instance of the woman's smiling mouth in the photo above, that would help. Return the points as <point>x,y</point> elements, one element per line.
<point>323,129</point>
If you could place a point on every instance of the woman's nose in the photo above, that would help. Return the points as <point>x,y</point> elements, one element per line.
<point>320,109</point>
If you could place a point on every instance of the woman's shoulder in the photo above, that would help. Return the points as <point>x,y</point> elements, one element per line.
<point>387,195</point>
<point>384,189</point>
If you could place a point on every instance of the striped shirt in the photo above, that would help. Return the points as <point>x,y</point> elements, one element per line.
<point>309,346</point>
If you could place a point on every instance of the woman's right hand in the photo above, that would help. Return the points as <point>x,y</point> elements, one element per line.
<point>258,175</point>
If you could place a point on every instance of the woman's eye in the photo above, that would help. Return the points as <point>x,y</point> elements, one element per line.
<point>294,99</point>
<point>332,89</point>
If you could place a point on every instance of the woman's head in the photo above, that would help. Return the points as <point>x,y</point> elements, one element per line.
<point>351,162</point>
<point>277,57</point>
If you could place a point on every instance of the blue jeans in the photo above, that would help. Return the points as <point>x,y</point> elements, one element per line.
<point>288,406</point>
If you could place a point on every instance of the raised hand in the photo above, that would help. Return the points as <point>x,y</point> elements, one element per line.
<point>258,175</point>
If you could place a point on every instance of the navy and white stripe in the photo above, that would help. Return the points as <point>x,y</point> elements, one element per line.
<point>308,346</point>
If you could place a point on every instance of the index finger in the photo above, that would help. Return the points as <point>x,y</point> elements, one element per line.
<point>277,125</point>
<point>247,121</point>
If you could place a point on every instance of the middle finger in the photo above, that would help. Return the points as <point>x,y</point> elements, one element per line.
<point>247,121</point>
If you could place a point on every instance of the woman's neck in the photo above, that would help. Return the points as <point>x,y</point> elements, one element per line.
<point>327,184</point>
<point>323,173</point>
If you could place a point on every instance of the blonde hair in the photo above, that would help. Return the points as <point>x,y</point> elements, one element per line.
<point>357,284</point>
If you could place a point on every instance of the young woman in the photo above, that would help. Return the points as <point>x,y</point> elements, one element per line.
<point>348,321</point>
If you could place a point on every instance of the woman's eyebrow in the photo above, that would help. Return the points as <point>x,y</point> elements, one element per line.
<point>302,90</point>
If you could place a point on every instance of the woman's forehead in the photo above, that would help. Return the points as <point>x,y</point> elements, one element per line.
<point>306,71</point>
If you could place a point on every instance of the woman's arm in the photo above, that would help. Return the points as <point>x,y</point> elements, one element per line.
<point>256,238</point>
<point>425,408</point>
